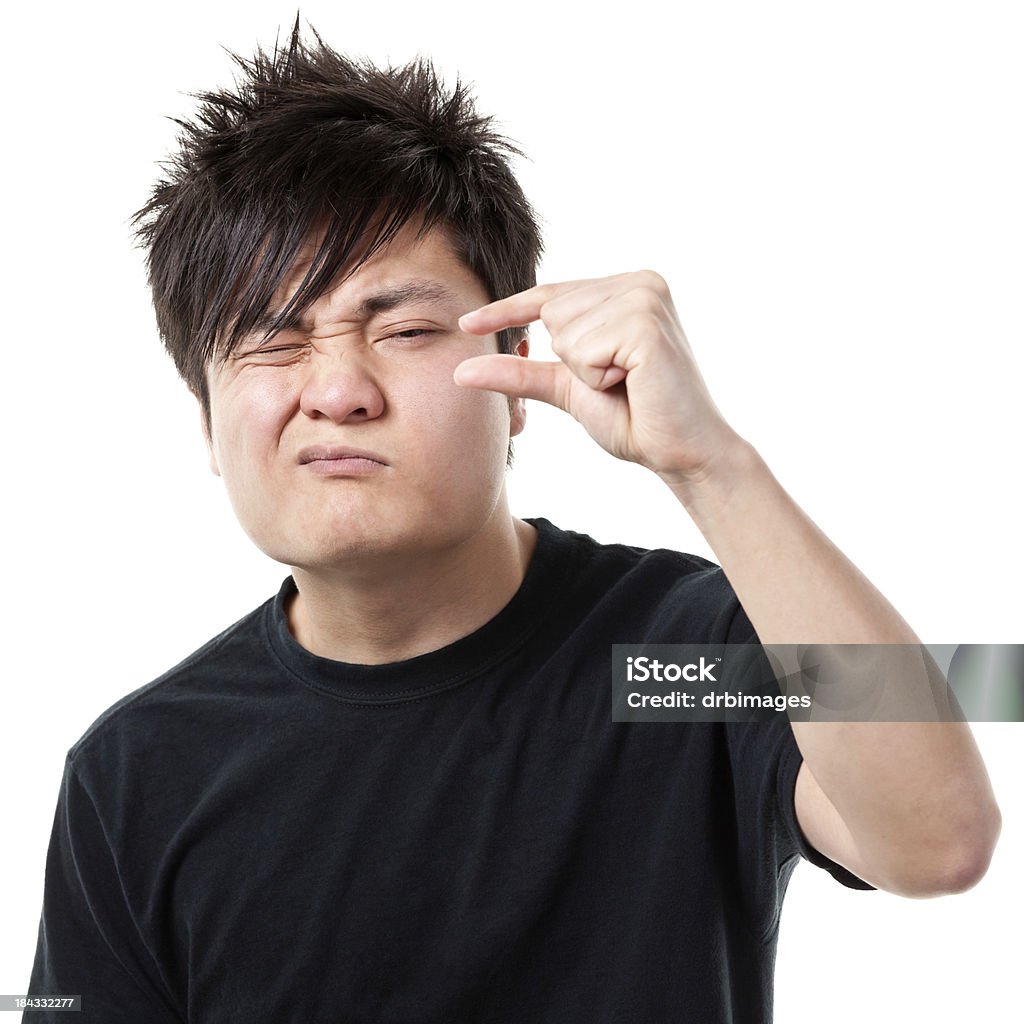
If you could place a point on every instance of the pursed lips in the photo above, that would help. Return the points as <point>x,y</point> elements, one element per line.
<point>335,460</point>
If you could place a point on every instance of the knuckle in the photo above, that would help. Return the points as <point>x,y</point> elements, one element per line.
<point>652,280</point>
<point>646,300</point>
<point>549,314</point>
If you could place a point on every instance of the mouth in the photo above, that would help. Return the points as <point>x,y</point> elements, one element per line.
<point>333,460</point>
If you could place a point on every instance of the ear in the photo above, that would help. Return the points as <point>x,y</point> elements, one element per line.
<point>518,405</point>
<point>204,423</point>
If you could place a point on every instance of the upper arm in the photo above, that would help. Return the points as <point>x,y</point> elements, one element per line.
<point>826,831</point>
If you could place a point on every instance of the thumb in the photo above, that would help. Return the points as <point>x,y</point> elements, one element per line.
<point>515,376</point>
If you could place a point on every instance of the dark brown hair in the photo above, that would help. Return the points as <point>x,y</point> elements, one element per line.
<point>310,139</point>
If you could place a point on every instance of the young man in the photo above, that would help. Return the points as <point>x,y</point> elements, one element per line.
<point>394,791</point>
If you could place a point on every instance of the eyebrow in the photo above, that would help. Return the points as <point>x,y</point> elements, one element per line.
<point>381,302</point>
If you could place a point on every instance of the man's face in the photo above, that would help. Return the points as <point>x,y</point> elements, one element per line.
<point>371,372</point>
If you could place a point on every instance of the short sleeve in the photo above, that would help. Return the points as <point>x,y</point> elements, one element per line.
<point>790,760</point>
<point>89,944</point>
<point>765,760</point>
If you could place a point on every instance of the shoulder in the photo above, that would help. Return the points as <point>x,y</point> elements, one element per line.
<point>651,592</point>
<point>147,708</point>
<point>617,558</point>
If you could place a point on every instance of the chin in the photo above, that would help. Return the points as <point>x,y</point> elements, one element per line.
<point>342,538</point>
<point>347,546</point>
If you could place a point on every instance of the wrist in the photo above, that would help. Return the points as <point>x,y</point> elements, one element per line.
<point>734,460</point>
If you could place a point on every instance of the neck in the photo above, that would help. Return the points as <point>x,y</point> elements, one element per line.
<point>420,604</point>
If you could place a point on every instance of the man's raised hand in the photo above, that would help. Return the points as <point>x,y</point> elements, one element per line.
<point>626,372</point>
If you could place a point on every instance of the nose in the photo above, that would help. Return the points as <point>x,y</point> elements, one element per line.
<point>341,388</point>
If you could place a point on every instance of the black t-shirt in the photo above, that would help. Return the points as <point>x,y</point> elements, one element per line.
<point>263,834</point>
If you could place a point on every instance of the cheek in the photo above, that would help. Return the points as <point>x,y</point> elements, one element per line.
<point>467,420</point>
<point>248,421</point>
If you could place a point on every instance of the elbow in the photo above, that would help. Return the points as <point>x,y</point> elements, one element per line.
<point>976,854</point>
<point>963,866</point>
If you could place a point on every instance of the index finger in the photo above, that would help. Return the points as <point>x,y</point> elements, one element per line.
<point>515,310</point>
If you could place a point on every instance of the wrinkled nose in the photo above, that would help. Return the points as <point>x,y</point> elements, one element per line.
<point>341,388</point>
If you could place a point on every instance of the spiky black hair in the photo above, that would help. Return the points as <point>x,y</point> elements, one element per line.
<point>310,139</point>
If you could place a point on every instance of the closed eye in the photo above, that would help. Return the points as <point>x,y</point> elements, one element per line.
<point>277,350</point>
<point>411,334</point>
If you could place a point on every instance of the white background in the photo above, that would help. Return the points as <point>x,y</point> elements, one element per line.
<point>833,193</point>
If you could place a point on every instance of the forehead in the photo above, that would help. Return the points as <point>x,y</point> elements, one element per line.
<point>424,267</point>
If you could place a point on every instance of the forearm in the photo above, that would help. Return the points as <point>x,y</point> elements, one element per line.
<point>909,792</point>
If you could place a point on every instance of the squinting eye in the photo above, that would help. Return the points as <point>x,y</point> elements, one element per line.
<point>412,333</point>
<point>257,352</point>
